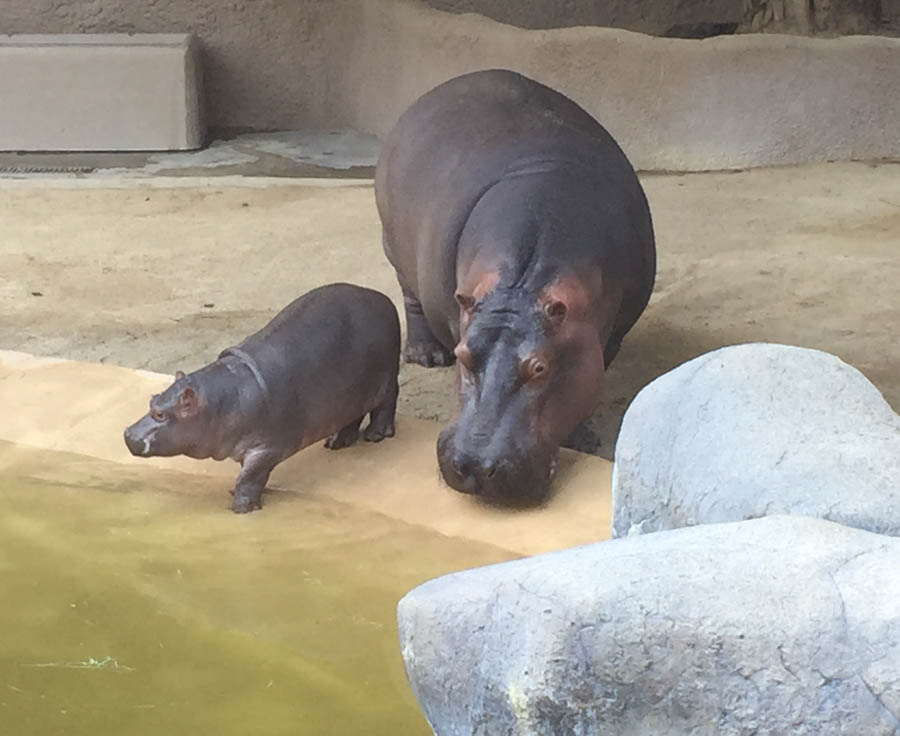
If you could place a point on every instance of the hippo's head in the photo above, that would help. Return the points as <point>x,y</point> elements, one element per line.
<point>529,370</point>
<point>175,424</point>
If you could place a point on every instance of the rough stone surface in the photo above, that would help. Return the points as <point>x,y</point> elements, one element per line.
<point>784,625</point>
<point>729,102</point>
<point>645,17</point>
<point>755,430</point>
<point>813,16</point>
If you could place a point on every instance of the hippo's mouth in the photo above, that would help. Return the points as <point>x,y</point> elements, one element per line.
<point>523,480</point>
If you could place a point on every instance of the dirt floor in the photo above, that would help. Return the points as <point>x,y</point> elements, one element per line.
<point>162,274</point>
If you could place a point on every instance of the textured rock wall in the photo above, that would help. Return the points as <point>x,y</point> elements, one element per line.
<point>754,430</point>
<point>784,625</point>
<point>843,17</point>
<point>729,102</point>
<point>646,16</point>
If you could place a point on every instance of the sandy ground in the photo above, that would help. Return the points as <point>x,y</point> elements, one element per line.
<point>163,274</point>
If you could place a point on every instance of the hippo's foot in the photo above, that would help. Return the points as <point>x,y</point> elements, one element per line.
<point>344,437</point>
<point>376,431</point>
<point>245,504</point>
<point>430,354</point>
<point>381,419</point>
<point>255,469</point>
<point>422,347</point>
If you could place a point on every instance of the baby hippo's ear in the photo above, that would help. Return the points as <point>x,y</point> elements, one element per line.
<point>179,375</point>
<point>188,403</point>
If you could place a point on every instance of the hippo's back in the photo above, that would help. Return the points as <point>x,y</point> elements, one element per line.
<point>476,123</point>
<point>464,133</point>
<point>331,337</point>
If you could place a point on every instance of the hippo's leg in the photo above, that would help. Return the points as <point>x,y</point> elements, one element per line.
<point>422,347</point>
<point>381,419</point>
<point>254,475</point>
<point>345,436</point>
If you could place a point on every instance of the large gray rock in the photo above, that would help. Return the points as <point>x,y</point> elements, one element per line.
<point>784,625</point>
<point>754,430</point>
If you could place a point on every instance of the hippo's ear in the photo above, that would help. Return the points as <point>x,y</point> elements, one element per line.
<point>563,299</point>
<point>465,301</point>
<point>188,403</point>
<point>555,310</point>
<point>179,375</point>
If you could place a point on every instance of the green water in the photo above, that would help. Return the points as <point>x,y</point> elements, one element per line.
<point>133,602</point>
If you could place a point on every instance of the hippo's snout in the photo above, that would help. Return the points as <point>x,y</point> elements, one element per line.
<point>462,473</point>
<point>137,444</point>
<point>514,480</point>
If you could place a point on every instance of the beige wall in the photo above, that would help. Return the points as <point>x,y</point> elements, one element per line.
<point>110,92</point>
<point>728,102</point>
<point>262,58</point>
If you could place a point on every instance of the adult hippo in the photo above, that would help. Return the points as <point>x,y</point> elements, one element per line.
<point>523,244</point>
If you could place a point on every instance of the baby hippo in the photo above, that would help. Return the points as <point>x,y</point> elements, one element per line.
<point>323,363</point>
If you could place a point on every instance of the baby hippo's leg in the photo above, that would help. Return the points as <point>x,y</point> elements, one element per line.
<point>345,436</point>
<point>381,420</point>
<point>253,477</point>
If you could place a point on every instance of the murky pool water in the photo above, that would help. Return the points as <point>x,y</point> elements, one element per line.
<point>134,603</point>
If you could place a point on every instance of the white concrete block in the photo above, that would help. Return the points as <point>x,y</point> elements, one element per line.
<point>116,92</point>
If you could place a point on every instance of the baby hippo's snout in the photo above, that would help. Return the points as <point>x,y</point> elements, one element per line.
<point>137,442</point>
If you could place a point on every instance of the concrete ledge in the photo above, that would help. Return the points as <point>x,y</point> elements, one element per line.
<point>727,102</point>
<point>100,93</point>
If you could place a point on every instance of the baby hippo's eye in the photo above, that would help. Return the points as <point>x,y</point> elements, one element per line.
<point>534,369</point>
<point>157,416</point>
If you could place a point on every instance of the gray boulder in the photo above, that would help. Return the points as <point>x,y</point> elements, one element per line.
<point>754,430</point>
<point>784,625</point>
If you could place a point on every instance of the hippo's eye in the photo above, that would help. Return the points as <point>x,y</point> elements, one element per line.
<point>157,416</point>
<point>535,368</point>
